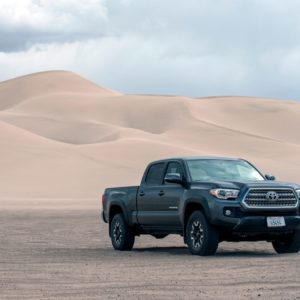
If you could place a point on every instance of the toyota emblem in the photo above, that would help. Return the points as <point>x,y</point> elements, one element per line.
<point>272,196</point>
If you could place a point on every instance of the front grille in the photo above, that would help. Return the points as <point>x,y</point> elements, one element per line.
<point>257,198</point>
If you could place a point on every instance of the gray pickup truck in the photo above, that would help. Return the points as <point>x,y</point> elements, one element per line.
<point>206,200</point>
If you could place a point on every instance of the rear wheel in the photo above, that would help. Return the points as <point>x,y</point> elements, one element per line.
<point>202,239</point>
<point>289,244</point>
<point>122,236</point>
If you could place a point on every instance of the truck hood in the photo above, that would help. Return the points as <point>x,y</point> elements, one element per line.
<point>243,185</point>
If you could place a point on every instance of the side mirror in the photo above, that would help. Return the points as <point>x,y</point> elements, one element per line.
<point>173,178</point>
<point>270,177</point>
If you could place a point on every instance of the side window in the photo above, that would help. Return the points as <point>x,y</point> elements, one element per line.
<point>174,167</point>
<point>155,174</point>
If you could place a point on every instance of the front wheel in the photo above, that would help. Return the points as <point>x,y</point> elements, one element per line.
<point>202,239</point>
<point>290,244</point>
<point>122,236</point>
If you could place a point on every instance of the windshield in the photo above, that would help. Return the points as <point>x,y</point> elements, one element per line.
<point>219,169</point>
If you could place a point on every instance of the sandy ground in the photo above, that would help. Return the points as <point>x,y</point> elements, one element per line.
<point>66,254</point>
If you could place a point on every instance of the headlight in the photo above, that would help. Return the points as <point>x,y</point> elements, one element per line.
<point>298,193</point>
<point>225,193</point>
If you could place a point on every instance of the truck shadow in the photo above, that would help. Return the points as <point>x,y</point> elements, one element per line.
<point>244,253</point>
<point>86,254</point>
<point>220,252</point>
<point>160,250</point>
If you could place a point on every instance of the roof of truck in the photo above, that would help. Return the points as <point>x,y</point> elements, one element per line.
<point>197,158</point>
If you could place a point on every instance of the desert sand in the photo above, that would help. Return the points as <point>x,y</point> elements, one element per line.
<point>63,139</point>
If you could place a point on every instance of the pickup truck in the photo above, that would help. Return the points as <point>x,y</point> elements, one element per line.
<point>206,200</point>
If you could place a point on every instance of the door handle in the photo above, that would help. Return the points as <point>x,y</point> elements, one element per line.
<point>161,193</point>
<point>142,194</point>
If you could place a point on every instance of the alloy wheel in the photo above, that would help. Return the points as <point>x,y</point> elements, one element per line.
<point>197,235</point>
<point>117,232</point>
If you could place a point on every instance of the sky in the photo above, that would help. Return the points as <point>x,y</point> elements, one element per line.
<point>192,47</point>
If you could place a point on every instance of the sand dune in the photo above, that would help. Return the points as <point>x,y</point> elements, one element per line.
<point>63,137</point>
<point>265,117</point>
<point>43,84</point>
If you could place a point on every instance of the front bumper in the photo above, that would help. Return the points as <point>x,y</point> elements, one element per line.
<point>243,220</point>
<point>259,224</point>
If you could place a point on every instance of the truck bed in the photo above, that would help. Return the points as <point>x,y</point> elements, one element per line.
<point>128,195</point>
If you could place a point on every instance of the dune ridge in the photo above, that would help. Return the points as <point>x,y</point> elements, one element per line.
<point>64,136</point>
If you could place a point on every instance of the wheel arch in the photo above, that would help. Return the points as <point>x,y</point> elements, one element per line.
<point>113,210</point>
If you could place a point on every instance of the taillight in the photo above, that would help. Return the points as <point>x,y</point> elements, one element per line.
<point>102,200</point>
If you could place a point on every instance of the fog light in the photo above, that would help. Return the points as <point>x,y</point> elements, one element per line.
<point>228,212</point>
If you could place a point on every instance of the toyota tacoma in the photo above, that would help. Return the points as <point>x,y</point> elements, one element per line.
<point>206,200</point>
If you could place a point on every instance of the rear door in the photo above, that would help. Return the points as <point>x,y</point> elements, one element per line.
<point>149,205</point>
<point>158,202</point>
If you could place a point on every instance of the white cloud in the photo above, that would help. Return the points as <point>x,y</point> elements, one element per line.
<point>131,65</point>
<point>24,23</point>
<point>193,47</point>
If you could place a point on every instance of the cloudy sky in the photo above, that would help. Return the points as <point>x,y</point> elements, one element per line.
<point>191,47</point>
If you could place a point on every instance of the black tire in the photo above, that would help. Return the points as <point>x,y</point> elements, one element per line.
<point>289,244</point>
<point>201,238</point>
<point>159,236</point>
<point>122,236</point>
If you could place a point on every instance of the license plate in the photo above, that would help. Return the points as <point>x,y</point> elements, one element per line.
<point>275,221</point>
